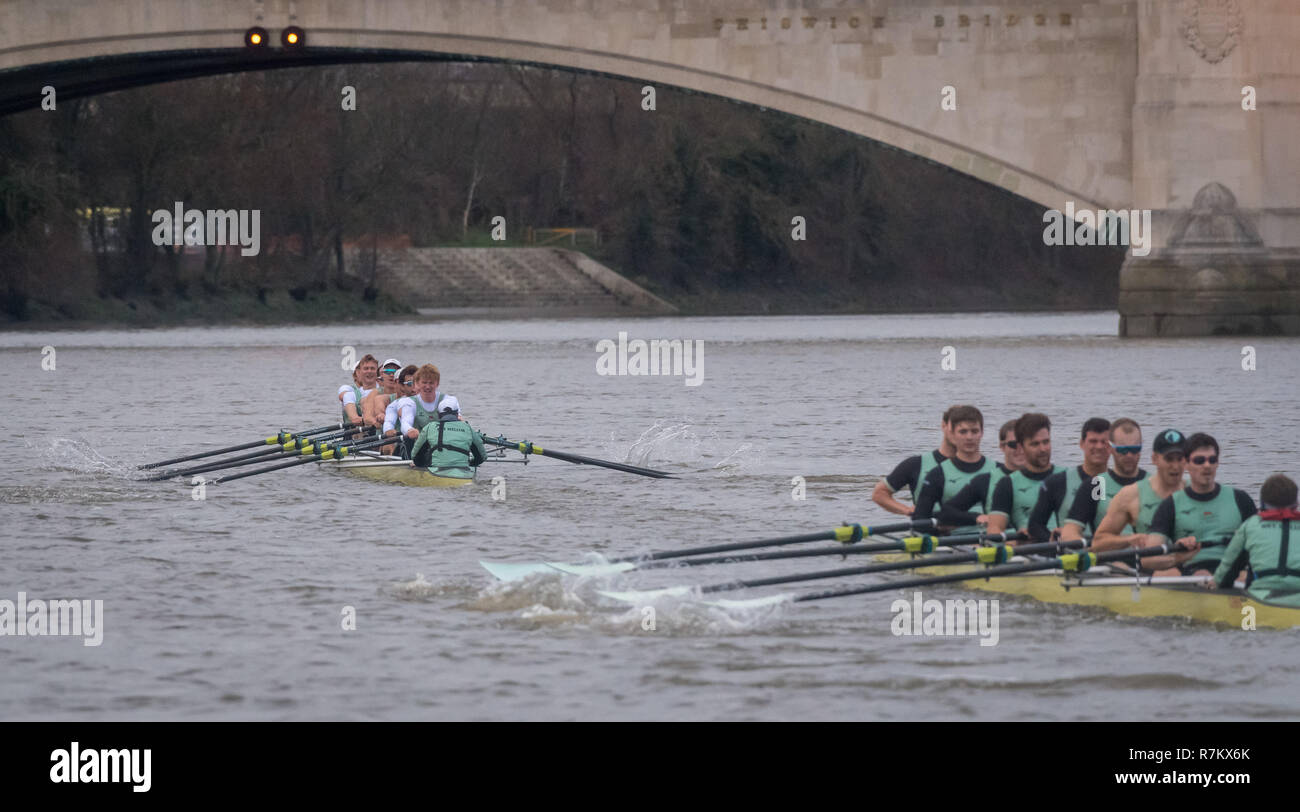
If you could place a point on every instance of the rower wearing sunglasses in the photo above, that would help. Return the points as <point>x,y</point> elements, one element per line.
<point>374,404</point>
<point>1089,500</point>
<point>1057,494</point>
<point>403,387</point>
<point>1205,513</point>
<point>1128,519</point>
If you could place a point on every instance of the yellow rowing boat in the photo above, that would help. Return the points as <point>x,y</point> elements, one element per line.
<point>393,469</point>
<point>1146,596</point>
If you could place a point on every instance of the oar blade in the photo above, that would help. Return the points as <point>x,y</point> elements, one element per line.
<point>751,603</point>
<point>516,571</point>
<point>637,597</point>
<point>593,570</point>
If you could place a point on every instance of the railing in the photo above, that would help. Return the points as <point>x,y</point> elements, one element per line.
<point>548,236</point>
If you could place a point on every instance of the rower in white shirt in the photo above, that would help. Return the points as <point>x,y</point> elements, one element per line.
<point>421,408</point>
<point>363,383</point>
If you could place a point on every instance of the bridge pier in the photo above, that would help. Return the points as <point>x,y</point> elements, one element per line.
<point>1215,276</point>
<point>1217,99</point>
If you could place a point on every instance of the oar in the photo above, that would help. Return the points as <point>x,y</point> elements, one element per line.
<point>916,545</point>
<point>990,555</point>
<point>282,437</point>
<point>527,448</point>
<point>1074,563</point>
<point>845,534</point>
<point>336,452</point>
<point>296,444</point>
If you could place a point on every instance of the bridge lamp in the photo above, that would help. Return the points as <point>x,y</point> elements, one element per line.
<point>255,37</point>
<point>293,37</point>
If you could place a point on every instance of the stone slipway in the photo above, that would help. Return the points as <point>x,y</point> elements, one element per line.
<point>506,282</point>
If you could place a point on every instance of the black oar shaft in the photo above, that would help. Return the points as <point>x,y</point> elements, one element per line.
<point>889,566</point>
<point>302,461</point>
<point>528,448</point>
<point>842,549</point>
<point>242,447</point>
<point>248,459</point>
<point>827,535</point>
<point>230,462</point>
<point>975,575</point>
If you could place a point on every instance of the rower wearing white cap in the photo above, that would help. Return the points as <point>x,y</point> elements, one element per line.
<point>374,404</point>
<point>449,446</point>
<point>403,387</point>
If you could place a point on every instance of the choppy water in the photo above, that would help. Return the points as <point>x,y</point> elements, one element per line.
<point>230,607</point>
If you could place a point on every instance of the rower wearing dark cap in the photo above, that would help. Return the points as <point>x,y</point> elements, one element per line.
<point>1205,513</point>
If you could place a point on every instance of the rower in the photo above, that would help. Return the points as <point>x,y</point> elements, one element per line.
<point>449,447</point>
<point>1058,491</point>
<point>1126,454</point>
<point>1262,546</point>
<point>418,410</point>
<point>950,476</point>
<point>1014,497</point>
<point>972,503</point>
<point>363,383</point>
<point>913,471</point>
<point>375,404</point>
<point>403,387</point>
<point>1128,519</point>
<point>1204,514</point>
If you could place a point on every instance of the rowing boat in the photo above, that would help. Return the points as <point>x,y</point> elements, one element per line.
<point>1148,596</point>
<point>393,469</point>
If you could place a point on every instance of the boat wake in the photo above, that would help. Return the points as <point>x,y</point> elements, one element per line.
<point>556,600</point>
<point>682,443</point>
<point>422,589</point>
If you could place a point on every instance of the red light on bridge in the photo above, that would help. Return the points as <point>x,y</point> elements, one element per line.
<point>293,37</point>
<point>255,37</point>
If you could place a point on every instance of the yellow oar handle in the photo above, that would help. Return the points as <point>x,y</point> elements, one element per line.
<point>1078,562</point>
<point>918,545</point>
<point>851,533</point>
<point>529,448</point>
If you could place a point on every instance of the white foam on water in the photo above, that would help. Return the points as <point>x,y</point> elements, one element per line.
<point>687,445</point>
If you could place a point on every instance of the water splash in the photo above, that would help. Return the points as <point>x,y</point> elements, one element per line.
<point>67,454</point>
<point>685,444</point>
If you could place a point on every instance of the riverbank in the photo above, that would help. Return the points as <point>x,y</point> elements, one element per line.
<point>276,307</point>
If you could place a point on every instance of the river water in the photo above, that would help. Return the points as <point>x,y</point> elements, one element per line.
<point>232,606</point>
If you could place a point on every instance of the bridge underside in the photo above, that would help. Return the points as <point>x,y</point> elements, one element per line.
<point>20,88</point>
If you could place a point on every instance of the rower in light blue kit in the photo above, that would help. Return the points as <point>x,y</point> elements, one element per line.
<point>449,446</point>
<point>1264,548</point>
<point>1205,514</point>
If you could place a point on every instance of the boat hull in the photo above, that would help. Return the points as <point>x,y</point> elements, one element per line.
<point>1113,591</point>
<point>394,469</point>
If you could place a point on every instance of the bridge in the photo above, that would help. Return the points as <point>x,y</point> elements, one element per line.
<point>1187,108</point>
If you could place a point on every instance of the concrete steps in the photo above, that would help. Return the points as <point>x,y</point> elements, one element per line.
<point>514,279</point>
